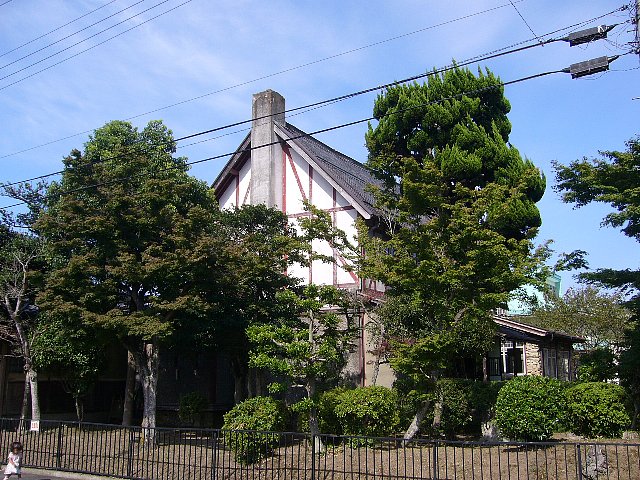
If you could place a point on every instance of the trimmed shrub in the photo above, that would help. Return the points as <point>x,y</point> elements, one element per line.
<point>328,420</point>
<point>368,411</point>
<point>247,428</point>
<point>530,408</point>
<point>192,405</point>
<point>597,409</point>
<point>466,404</point>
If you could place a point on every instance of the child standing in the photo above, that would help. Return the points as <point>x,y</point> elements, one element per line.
<point>14,461</point>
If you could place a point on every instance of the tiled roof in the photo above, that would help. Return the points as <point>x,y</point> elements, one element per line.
<point>350,174</point>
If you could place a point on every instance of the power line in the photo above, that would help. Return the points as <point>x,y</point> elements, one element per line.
<point>93,46</point>
<point>4,3</point>
<point>302,109</point>
<point>347,52</point>
<point>495,53</point>
<point>77,43</point>
<point>290,69</point>
<point>523,19</point>
<point>55,29</point>
<point>316,132</point>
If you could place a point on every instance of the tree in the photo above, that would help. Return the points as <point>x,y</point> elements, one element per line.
<point>73,352</point>
<point>598,317</point>
<point>612,179</point>
<point>261,247</point>
<point>308,344</point>
<point>134,245</point>
<point>21,266</point>
<point>459,203</point>
<point>19,256</point>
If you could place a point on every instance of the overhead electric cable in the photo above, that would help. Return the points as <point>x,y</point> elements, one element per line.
<point>56,29</point>
<point>316,132</point>
<point>4,3</point>
<point>91,47</point>
<point>523,19</point>
<point>477,58</point>
<point>576,25</point>
<point>79,42</point>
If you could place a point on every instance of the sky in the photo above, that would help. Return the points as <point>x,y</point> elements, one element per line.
<point>220,53</point>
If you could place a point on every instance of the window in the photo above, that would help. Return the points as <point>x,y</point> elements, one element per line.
<point>550,366</point>
<point>563,365</point>
<point>512,357</point>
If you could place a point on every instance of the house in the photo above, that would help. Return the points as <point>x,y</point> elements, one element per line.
<point>522,349</point>
<point>279,165</point>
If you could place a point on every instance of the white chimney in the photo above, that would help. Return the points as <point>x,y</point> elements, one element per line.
<point>266,162</point>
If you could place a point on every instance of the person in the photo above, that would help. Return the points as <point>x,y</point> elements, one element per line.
<point>14,461</point>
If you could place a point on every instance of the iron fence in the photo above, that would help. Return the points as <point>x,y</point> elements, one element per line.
<point>199,454</point>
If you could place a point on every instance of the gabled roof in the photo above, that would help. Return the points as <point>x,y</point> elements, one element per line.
<point>349,174</point>
<point>522,331</point>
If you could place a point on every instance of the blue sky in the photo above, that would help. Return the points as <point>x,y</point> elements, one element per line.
<point>204,46</point>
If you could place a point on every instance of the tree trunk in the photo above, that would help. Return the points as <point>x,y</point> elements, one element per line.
<point>239,371</point>
<point>636,412</point>
<point>437,412</point>
<point>414,428</point>
<point>129,391</point>
<point>79,408</point>
<point>149,389</point>
<point>32,375</point>
<point>485,370</point>
<point>26,395</point>
<point>314,426</point>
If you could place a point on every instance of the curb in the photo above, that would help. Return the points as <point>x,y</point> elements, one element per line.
<point>66,475</point>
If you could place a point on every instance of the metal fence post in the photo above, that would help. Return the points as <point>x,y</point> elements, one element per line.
<point>59,448</point>
<point>313,457</point>
<point>130,455</point>
<point>435,460</point>
<point>579,461</point>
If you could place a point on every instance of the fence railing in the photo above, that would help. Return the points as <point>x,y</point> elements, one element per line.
<point>199,454</point>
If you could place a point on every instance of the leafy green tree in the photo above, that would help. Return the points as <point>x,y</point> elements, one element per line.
<point>134,245</point>
<point>20,255</point>
<point>308,343</point>
<point>612,179</point>
<point>21,265</point>
<point>598,317</point>
<point>72,352</point>
<point>458,207</point>
<point>261,246</point>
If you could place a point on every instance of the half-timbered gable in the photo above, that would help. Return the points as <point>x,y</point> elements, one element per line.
<point>281,166</point>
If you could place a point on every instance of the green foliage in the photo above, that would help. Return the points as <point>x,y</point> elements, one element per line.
<point>611,179</point>
<point>191,406</point>
<point>598,365</point>
<point>629,369</point>
<point>597,409</point>
<point>598,317</point>
<point>530,408</point>
<point>458,202</point>
<point>327,418</point>
<point>249,425</point>
<point>70,350</point>
<point>368,411</point>
<point>466,404</point>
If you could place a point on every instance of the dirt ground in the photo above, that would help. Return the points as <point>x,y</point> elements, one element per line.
<point>197,456</point>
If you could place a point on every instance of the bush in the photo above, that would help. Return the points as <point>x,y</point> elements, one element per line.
<point>597,409</point>
<point>247,425</point>
<point>368,411</point>
<point>191,407</point>
<point>530,408</point>
<point>327,418</point>
<point>466,404</point>
<point>598,365</point>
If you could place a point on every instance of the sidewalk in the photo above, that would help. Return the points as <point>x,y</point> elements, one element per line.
<point>38,474</point>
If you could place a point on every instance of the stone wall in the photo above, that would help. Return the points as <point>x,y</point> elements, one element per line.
<point>533,355</point>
